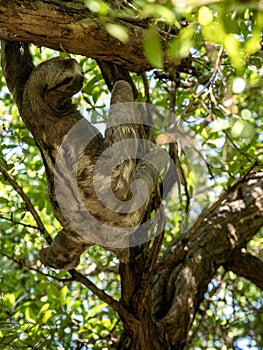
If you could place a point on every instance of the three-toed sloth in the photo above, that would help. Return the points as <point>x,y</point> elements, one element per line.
<point>98,188</point>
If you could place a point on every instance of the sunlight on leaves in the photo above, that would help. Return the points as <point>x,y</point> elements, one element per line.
<point>205,16</point>
<point>153,48</point>
<point>97,6</point>
<point>242,129</point>
<point>118,32</point>
<point>181,45</point>
<point>160,12</point>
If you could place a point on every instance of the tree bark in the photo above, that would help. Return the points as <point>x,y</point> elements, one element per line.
<point>182,276</point>
<point>69,26</point>
<point>246,265</point>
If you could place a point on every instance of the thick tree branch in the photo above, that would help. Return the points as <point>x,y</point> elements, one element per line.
<point>179,288</point>
<point>71,27</point>
<point>246,265</point>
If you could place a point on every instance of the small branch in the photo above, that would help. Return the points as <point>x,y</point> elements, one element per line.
<point>19,190</point>
<point>172,104</point>
<point>146,87</point>
<point>116,305</point>
<point>246,265</point>
<point>31,268</point>
<point>18,222</point>
<point>157,244</point>
<point>148,263</point>
<point>78,277</point>
<point>209,83</point>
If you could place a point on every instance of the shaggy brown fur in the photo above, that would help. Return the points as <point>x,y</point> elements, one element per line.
<point>43,96</point>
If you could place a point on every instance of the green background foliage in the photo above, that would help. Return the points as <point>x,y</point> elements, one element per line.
<point>221,103</point>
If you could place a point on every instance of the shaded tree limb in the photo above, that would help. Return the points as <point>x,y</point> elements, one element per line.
<point>113,72</point>
<point>246,265</point>
<point>179,288</point>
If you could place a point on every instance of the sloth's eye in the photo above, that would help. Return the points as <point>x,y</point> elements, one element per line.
<point>63,82</point>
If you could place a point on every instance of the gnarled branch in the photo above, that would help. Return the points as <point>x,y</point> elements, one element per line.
<point>71,27</point>
<point>246,265</point>
<point>179,288</point>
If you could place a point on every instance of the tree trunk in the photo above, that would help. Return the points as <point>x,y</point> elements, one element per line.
<point>180,280</point>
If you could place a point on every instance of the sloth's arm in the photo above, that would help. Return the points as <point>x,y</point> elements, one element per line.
<point>17,66</point>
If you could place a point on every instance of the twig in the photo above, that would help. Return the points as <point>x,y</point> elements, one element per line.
<point>12,323</point>
<point>235,147</point>
<point>78,277</point>
<point>146,88</point>
<point>18,222</point>
<point>172,104</point>
<point>149,267</point>
<point>31,268</point>
<point>157,244</point>
<point>210,82</point>
<point>9,178</point>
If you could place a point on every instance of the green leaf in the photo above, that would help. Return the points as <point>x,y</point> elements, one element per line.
<point>243,129</point>
<point>8,339</point>
<point>63,292</point>
<point>29,315</point>
<point>46,316</point>
<point>9,300</point>
<point>233,48</point>
<point>181,45</point>
<point>153,48</point>
<point>29,140</point>
<point>118,32</point>
<point>252,45</point>
<point>44,308</point>
<point>4,201</point>
<point>159,11</point>
<point>205,16</point>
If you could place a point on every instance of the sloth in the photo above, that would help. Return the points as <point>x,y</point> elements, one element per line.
<point>72,148</point>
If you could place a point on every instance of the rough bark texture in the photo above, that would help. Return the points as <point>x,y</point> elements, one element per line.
<point>185,277</point>
<point>159,299</point>
<point>69,26</point>
<point>182,276</point>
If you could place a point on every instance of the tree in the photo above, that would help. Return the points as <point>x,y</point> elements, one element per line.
<point>194,288</point>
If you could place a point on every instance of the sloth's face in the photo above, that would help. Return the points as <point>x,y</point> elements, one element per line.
<point>64,76</point>
<point>57,80</point>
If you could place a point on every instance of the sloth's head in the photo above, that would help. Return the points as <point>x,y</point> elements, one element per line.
<point>54,82</point>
